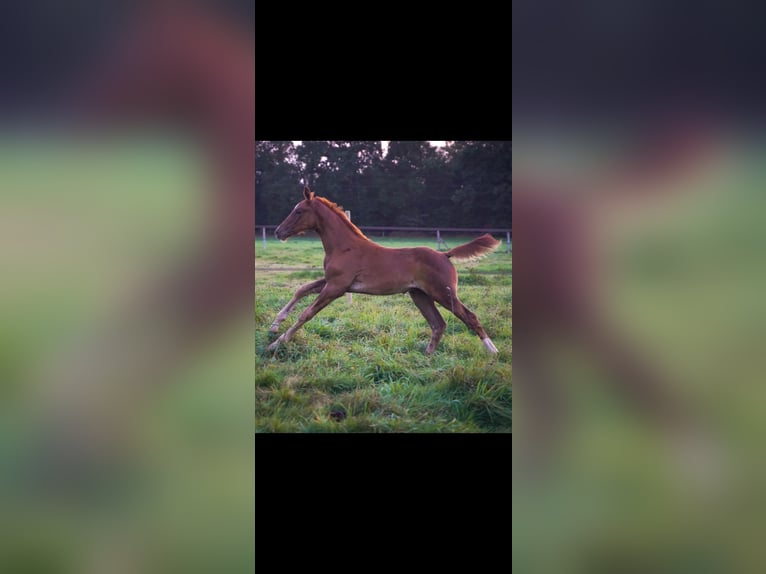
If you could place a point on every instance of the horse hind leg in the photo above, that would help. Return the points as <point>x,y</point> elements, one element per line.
<point>307,289</point>
<point>450,300</point>
<point>426,306</point>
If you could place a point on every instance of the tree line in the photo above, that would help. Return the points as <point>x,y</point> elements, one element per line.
<point>463,184</point>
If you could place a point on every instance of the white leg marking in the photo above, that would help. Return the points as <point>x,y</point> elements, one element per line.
<point>490,345</point>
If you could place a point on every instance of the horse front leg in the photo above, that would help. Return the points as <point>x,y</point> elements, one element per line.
<point>307,289</point>
<point>328,295</point>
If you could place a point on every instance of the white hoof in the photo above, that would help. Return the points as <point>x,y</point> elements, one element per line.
<point>274,327</point>
<point>490,345</point>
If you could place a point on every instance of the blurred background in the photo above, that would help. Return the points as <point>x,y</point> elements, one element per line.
<point>126,222</point>
<point>639,248</point>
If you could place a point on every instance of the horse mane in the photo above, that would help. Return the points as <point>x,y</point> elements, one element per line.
<point>339,211</point>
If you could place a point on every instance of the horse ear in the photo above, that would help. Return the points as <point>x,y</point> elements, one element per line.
<point>307,193</point>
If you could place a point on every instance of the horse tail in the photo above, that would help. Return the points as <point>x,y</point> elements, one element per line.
<point>476,249</point>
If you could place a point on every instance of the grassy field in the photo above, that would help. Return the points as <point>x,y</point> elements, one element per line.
<point>359,366</point>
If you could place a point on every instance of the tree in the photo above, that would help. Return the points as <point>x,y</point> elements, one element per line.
<point>404,185</point>
<point>346,172</point>
<point>277,181</point>
<point>482,182</point>
<point>466,184</point>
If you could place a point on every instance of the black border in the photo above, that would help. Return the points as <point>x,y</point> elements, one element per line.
<point>325,72</point>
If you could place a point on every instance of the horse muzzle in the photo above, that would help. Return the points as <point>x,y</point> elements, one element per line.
<point>280,233</point>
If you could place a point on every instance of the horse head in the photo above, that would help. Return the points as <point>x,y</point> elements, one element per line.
<point>301,219</point>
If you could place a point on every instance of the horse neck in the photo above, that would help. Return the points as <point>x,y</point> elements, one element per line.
<point>334,232</point>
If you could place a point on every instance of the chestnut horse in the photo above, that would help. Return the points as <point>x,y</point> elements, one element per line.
<point>354,264</point>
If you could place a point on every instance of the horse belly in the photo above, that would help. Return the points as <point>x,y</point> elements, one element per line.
<point>395,271</point>
<point>384,287</point>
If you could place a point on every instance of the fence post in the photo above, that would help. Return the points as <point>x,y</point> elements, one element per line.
<point>508,241</point>
<point>438,241</point>
<point>348,295</point>
<point>264,237</point>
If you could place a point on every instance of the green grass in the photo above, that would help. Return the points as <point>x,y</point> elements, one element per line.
<point>365,358</point>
